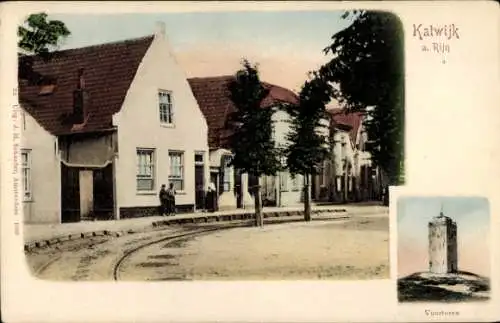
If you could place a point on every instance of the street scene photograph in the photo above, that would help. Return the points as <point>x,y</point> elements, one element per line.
<point>443,249</point>
<point>210,145</point>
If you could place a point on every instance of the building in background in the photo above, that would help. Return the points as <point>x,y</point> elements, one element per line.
<point>351,173</point>
<point>234,188</point>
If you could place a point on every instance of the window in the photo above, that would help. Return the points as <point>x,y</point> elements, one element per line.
<point>198,158</point>
<point>226,180</point>
<point>284,181</point>
<point>339,183</point>
<point>26,173</point>
<point>145,170</point>
<point>166,107</point>
<point>176,175</point>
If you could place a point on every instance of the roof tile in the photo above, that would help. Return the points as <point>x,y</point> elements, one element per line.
<point>213,96</point>
<point>108,71</point>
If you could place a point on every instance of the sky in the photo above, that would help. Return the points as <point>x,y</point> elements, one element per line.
<point>286,45</point>
<point>473,232</point>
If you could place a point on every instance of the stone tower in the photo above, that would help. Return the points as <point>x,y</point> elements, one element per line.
<point>442,245</point>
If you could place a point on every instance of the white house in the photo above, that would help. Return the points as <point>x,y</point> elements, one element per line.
<point>105,127</point>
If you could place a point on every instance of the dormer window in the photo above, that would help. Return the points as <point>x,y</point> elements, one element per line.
<point>166,107</point>
<point>47,89</point>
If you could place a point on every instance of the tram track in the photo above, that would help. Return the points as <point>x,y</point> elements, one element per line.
<point>118,257</point>
<point>170,240</point>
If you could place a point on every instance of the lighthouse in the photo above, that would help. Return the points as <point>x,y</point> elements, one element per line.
<point>442,245</point>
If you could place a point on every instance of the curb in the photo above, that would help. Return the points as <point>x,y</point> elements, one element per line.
<point>240,216</point>
<point>30,246</point>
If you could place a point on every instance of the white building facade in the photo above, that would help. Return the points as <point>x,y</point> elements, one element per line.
<point>117,122</point>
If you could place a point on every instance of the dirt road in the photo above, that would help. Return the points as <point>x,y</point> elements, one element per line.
<point>356,248</point>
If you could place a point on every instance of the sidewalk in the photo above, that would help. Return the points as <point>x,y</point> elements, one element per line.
<point>35,232</point>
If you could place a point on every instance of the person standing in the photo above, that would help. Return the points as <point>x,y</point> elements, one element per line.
<point>211,195</point>
<point>171,199</point>
<point>163,200</point>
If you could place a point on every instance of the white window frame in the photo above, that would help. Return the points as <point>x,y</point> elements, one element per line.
<point>165,107</point>
<point>26,175</point>
<point>146,175</point>
<point>177,178</point>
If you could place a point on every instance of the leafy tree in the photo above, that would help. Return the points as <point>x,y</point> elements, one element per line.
<point>38,36</point>
<point>253,147</point>
<point>308,147</point>
<point>367,70</point>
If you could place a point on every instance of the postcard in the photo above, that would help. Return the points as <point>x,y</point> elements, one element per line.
<point>249,161</point>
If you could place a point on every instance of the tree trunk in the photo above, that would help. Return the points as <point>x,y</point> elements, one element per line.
<point>259,219</point>
<point>346,184</point>
<point>307,198</point>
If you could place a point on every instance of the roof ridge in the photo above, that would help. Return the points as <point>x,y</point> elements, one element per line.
<point>210,77</point>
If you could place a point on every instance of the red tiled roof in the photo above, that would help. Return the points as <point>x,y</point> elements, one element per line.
<point>351,119</point>
<point>213,96</point>
<point>108,71</point>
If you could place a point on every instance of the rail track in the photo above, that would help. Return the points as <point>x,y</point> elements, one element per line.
<point>133,244</point>
<point>171,239</point>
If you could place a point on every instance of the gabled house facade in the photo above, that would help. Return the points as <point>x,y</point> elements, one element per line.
<point>105,127</point>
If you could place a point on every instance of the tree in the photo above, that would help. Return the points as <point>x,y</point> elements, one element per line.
<point>254,150</point>
<point>38,36</point>
<point>367,70</point>
<point>308,147</point>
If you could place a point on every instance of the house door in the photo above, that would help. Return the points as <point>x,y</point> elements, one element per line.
<point>70,194</point>
<point>199,181</point>
<point>103,193</point>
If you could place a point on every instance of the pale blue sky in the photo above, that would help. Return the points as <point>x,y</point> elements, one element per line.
<point>305,29</point>
<point>287,45</point>
<point>472,216</point>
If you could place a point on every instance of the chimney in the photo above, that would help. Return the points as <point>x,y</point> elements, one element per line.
<point>80,99</point>
<point>160,29</point>
<point>81,79</point>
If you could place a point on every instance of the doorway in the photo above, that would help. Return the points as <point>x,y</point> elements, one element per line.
<point>70,194</point>
<point>199,180</point>
<point>103,206</point>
